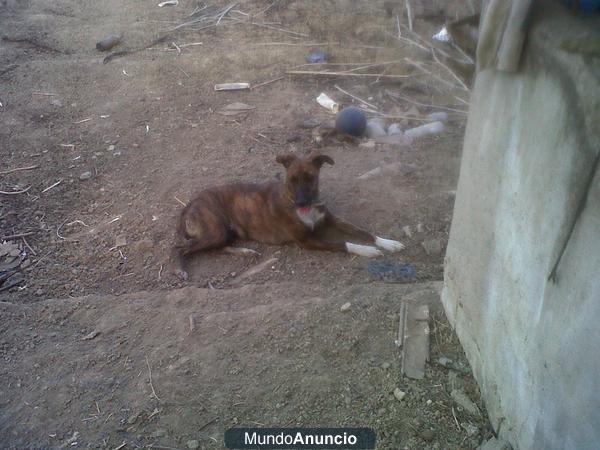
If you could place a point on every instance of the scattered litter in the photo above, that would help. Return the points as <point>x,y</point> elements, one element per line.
<point>82,121</point>
<point>236,108</point>
<point>442,35</point>
<point>351,120</point>
<point>425,130</point>
<point>168,3</point>
<point>108,42</point>
<point>463,400</point>
<point>399,394</point>
<point>317,56</point>
<point>374,129</point>
<point>85,176</point>
<point>438,116</point>
<point>394,129</point>
<point>232,86</point>
<point>394,139</point>
<point>111,147</point>
<point>328,103</point>
<point>390,271</point>
<point>368,144</point>
<point>125,73</point>
<point>90,336</point>
<point>345,307</point>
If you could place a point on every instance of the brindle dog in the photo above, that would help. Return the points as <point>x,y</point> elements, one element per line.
<point>274,212</point>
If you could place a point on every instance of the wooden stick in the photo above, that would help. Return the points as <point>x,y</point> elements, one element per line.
<point>50,187</point>
<point>430,73</point>
<point>344,74</point>
<point>15,192</point>
<point>426,105</point>
<point>4,172</point>
<point>271,27</point>
<point>354,97</point>
<point>150,377</point>
<point>450,71</point>
<point>12,237</point>
<point>28,246</point>
<point>409,14</point>
<point>264,83</point>
<point>220,16</point>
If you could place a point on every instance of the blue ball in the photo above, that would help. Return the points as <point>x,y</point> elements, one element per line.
<point>351,120</point>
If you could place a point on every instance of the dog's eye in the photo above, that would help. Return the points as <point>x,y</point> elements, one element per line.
<point>309,178</point>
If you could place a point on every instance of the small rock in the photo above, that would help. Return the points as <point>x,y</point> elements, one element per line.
<point>471,429</point>
<point>399,394</point>
<point>193,444</point>
<point>385,365</point>
<point>438,116</point>
<point>56,102</point>
<point>111,147</point>
<point>160,432</point>
<point>374,130</point>
<point>394,129</point>
<point>121,241</point>
<point>420,227</point>
<point>85,176</point>
<point>462,399</point>
<point>429,402</point>
<point>25,264</point>
<point>495,444</point>
<point>433,246</point>
<point>444,361</point>
<point>427,435</point>
<point>406,231</point>
<point>310,123</point>
<point>345,307</point>
<point>368,144</point>
<point>39,292</point>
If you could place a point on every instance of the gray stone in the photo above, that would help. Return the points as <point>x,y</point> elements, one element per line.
<point>193,444</point>
<point>85,176</point>
<point>463,400</point>
<point>399,394</point>
<point>495,444</point>
<point>394,129</point>
<point>433,246</point>
<point>345,307</point>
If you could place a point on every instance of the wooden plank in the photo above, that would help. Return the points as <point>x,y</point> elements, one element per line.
<point>415,348</point>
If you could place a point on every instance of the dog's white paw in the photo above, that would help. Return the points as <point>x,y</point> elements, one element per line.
<point>363,250</point>
<point>389,244</point>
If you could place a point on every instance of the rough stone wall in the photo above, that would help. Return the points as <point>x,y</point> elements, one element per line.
<point>531,143</point>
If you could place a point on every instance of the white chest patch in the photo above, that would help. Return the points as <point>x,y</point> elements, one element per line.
<point>311,217</point>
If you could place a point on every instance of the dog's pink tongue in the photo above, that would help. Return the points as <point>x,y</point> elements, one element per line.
<point>304,209</point>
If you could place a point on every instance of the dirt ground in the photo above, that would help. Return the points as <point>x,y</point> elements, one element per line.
<point>117,148</point>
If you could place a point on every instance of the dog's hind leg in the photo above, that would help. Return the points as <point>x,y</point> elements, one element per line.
<point>195,245</point>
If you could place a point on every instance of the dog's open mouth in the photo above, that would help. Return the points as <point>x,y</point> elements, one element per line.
<point>304,209</point>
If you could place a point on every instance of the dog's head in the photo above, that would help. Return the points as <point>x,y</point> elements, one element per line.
<point>302,177</point>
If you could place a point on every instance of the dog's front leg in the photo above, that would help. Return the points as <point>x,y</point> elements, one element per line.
<point>346,227</point>
<point>313,243</point>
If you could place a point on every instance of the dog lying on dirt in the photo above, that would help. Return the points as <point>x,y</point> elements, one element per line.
<point>274,212</point>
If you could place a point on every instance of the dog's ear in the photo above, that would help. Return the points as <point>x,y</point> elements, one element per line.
<point>318,160</point>
<point>286,159</point>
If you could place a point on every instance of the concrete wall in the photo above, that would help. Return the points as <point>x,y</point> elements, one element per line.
<point>530,145</point>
